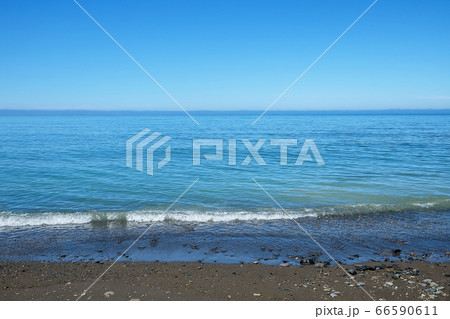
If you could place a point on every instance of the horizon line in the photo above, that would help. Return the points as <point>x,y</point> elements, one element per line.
<point>390,110</point>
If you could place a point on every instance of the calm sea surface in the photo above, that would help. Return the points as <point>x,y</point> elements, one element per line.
<point>64,183</point>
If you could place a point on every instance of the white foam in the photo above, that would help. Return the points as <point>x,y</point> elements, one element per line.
<point>425,205</point>
<point>45,218</point>
<point>10,219</point>
<point>18,219</point>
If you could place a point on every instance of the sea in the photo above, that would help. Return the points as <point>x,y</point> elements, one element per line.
<point>333,186</point>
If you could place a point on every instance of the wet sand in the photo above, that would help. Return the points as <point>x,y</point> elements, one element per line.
<point>417,280</point>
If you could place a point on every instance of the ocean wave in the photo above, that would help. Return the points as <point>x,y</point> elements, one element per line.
<point>22,219</point>
<point>12,219</point>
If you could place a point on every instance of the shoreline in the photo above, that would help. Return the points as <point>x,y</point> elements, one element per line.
<point>350,239</point>
<point>393,280</point>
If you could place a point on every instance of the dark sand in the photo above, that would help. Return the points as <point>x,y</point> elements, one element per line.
<point>416,280</point>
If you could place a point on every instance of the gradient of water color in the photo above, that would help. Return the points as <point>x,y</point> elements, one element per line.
<point>67,171</point>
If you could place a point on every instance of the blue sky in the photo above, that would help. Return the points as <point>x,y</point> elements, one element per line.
<point>224,55</point>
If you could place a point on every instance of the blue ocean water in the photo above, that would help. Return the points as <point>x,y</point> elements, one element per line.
<point>67,173</point>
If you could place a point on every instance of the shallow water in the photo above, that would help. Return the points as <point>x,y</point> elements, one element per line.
<point>348,239</point>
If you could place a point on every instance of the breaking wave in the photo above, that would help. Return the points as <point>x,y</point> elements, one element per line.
<point>21,219</point>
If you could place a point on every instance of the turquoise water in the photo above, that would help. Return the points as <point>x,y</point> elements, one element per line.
<point>63,171</point>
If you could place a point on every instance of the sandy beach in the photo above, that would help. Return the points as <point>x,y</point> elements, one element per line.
<point>417,280</point>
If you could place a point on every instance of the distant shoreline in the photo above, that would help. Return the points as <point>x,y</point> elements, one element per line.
<point>10,112</point>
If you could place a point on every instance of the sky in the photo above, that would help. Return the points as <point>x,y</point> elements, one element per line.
<point>225,55</point>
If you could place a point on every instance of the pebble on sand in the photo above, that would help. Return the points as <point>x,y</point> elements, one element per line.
<point>109,294</point>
